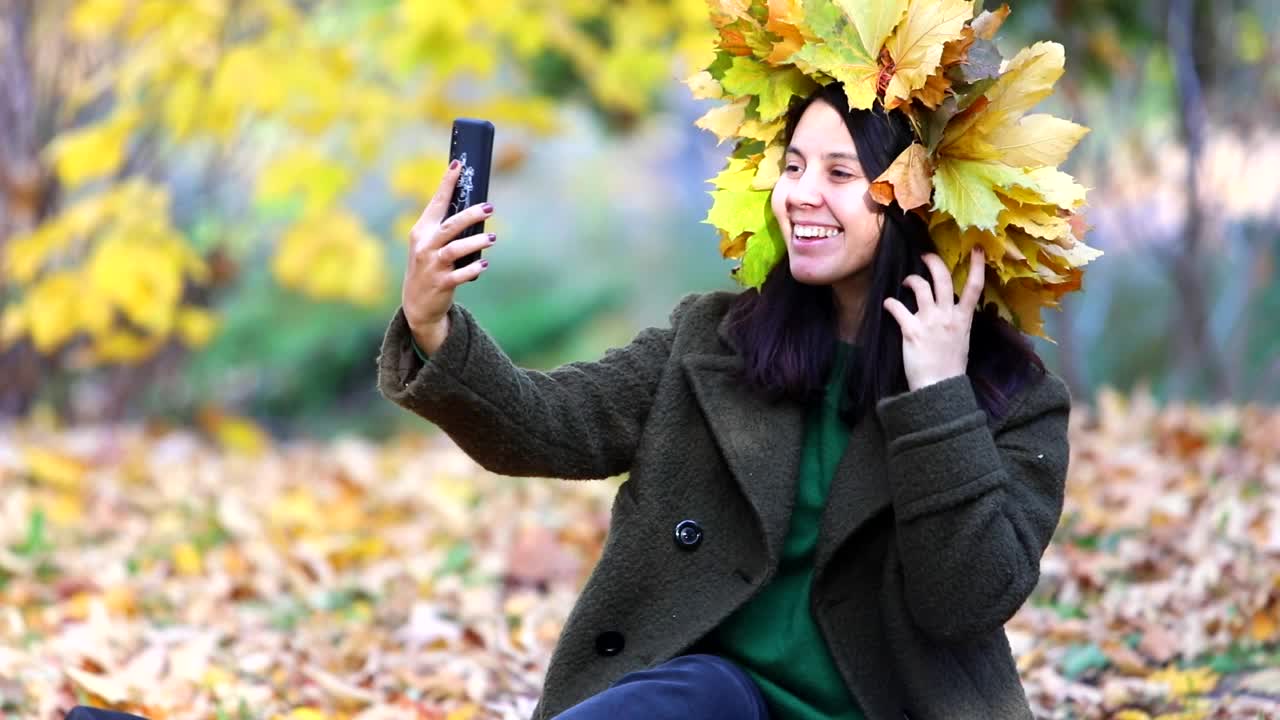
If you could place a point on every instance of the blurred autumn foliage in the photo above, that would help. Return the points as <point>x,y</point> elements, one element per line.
<point>112,106</point>
<point>186,575</point>
<point>174,177</point>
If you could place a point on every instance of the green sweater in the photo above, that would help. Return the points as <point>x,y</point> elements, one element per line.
<point>791,664</point>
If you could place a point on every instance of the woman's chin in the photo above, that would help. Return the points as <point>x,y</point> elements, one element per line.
<point>810,273</point>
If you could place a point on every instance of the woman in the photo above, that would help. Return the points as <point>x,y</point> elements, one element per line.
<point>840,486</point>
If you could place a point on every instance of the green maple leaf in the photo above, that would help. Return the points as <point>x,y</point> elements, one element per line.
<point>773,88</point>
<point>764,251</point>
<point>747,211</point>
<point>853,33</point>
<point>739,211</point>
<point>966,190</point>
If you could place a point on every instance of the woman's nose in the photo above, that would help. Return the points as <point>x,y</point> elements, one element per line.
<point>805,191</point>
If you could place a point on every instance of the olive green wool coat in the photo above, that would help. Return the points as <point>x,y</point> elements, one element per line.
<point>930,541</point>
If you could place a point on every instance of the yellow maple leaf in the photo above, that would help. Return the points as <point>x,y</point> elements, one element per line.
<point>1028,79</point>
<point>765,132</point>
<point>873,21</point>
<point>770,167</point>
<point>725,121</point>
<point>737,175</point>
<point>53,310</point>
<point>1035,141</point>
<point>96,150</point>
<point>1020,302</point>
<point>916,46</point>
<point>139,277</point>
<point>330,255</point>
<point>852,32</point>
<point>704,86</point>
<point>1041,221</point>
<point>952,243</point>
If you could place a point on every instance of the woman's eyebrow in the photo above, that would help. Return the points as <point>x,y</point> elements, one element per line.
<point>838,155</point>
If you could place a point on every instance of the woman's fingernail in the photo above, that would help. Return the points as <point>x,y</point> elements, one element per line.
<point>454,165</point>
<point>484,263</point>
<point>487,207</point>
<point>492,238</point>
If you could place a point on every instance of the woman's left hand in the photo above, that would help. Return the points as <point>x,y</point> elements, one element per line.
<point>935,340</point>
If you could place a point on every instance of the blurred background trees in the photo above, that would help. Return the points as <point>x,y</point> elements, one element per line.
<point>203,204</point>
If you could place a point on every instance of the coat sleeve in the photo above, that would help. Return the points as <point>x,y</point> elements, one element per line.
<point>975,509</point>
<point>581,420</point>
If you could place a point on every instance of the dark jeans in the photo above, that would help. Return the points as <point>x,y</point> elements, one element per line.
<point>83,712</point>
<point>705,687</point>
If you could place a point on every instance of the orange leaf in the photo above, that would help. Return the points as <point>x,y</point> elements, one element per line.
<point>907,179</point>
<point>1264,626</point>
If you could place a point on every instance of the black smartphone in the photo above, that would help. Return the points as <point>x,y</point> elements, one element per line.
<point>472,145</point>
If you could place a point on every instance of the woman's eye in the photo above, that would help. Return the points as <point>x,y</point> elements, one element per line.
<point>791,167</point>
<point>841,174</point>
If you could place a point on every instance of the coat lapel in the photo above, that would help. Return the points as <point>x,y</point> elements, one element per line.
<point>761,442</point>
<point>859,490</point>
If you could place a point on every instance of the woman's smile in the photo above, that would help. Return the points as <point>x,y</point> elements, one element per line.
<point>810,237</point>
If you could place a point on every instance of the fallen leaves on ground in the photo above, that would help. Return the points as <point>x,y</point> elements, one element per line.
<point>158,572</point>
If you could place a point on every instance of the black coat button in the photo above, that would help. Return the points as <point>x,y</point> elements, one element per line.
<point>610,643</point>
<point>688,534</point>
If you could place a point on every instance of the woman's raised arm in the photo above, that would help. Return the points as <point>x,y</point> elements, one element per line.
<point>581,420</point>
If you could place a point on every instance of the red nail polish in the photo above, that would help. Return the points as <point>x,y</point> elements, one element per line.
<point>454,165</point>
<point>487,207</point>
<point>484,263</point>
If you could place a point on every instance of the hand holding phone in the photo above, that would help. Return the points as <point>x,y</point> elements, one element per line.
<point>472,146</point>
<point>445,243</point>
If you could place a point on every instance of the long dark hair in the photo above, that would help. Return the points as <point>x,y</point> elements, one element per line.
<point>786,331</point>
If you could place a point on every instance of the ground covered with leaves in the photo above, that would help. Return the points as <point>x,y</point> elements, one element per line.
<point>212,574</point>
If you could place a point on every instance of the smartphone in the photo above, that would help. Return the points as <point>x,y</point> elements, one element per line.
<point>472,145</point>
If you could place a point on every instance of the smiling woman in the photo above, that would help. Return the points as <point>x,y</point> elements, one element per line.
<point>840,480</point>
<point>821,203</point>
<point>822,292</point>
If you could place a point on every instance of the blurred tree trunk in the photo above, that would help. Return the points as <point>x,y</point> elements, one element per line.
<point>26,186</point>
<point>1068,349</point>
<point>1196,341</point>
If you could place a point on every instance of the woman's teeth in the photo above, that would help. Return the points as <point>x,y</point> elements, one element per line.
<point>815,232</point>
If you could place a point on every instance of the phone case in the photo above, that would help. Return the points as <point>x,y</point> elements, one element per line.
<point>472,145</point>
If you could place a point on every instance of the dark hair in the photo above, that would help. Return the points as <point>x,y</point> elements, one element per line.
<point>786,330</point>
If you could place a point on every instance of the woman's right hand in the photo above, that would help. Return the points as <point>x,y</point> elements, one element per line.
<point>430,280</point>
